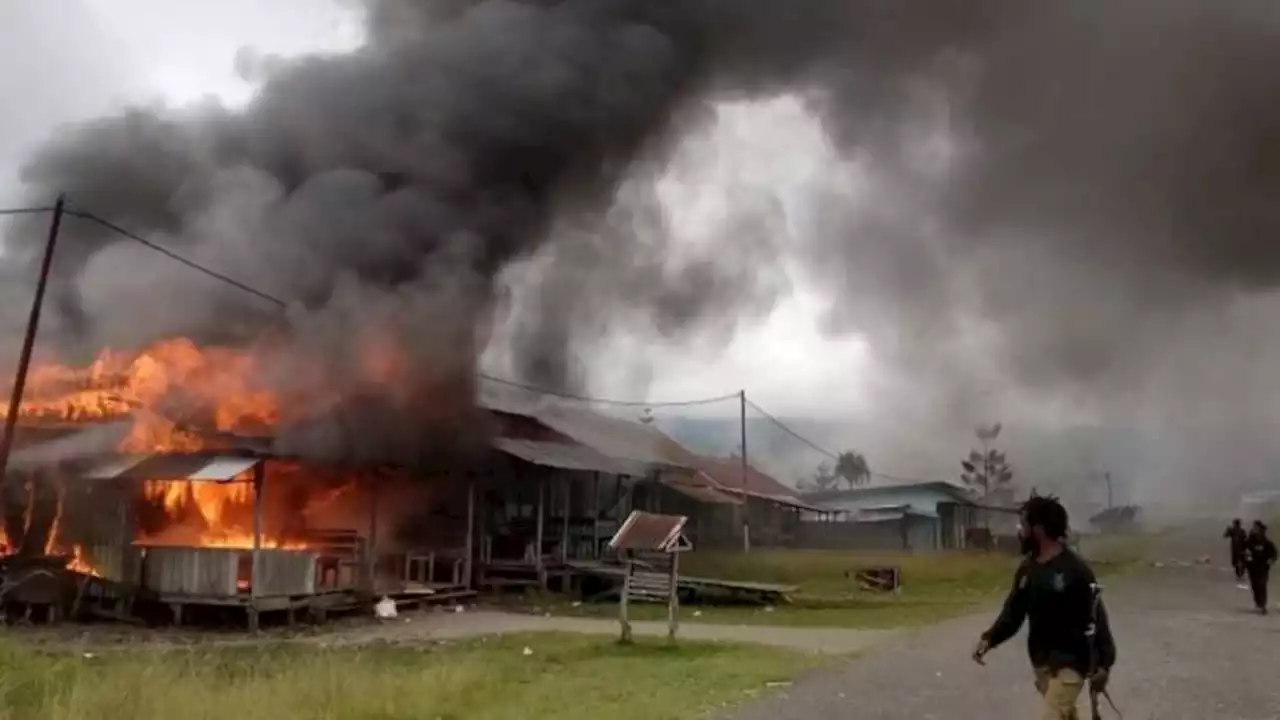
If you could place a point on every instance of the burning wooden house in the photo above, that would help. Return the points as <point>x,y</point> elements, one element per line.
<point>160,477</point>
<point>192,507</point>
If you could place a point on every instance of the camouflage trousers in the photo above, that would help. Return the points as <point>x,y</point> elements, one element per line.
<point>1061,692</point>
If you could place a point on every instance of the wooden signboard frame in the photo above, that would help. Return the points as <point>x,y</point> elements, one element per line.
<point>646,542</point>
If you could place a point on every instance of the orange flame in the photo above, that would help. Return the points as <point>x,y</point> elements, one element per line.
<point>172,390</point>
<point>175,395</point>
<point>207,514</point>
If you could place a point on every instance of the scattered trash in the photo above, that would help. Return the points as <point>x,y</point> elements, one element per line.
<point>385,609</point>
<point>89,656</point>
<point>697,613</point>
<point>769,609</point>
<point>1157,564</point>
<point>778,684</point>
<point>528,651</point>
<point>546,615</point>
<point>457,608</point>
<point>577,603</point>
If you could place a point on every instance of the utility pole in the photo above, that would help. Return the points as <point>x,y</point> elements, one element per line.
<point>1107,476</point>
<point>746,505</point>
<point>29,341</point>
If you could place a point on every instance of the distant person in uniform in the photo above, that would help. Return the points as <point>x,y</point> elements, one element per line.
<point>1259,556</point>
<point>1069,640</point>
<point>1237,536</point>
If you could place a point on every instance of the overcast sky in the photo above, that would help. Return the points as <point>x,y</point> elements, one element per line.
<point>67,60</point>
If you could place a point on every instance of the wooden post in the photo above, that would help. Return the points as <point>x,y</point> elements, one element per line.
<point>746,506</point>
<point>259,476</point>
<point>537,540</point>
<point>595,516</point>
<point>567,485</point>
<point>371,552</point>
<point>622,604</point>
<point>29,340</point>
<point>673,601</point>
<point>471,529</point>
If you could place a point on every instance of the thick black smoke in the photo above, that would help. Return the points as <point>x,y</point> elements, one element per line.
<point>1073,180</point>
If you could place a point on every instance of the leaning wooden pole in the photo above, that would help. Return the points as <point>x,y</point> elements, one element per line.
<point>29,340</point>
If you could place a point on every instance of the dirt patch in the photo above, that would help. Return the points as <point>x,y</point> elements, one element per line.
<point>442,625</point>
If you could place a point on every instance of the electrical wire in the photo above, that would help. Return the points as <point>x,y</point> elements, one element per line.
<point>785,428</point>
<point>607,401</point>
<point>176,257</point>
<point>25,211</point>
<point>831,455</point>
<point>117,229</point>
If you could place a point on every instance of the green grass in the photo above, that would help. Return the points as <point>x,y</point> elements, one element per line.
<point>935,587</point>
<point>483,679</point>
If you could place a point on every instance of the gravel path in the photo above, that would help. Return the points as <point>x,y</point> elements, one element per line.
<point>448,625</point>
<point>1189,647</point>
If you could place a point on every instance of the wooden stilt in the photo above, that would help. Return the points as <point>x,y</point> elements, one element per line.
<point>371,551</point>
<point>259,473</point>
<point>537,540</point>
<point>566,505</point>
<point>471,531</point>
<point>673,600</point>
<point>622,604</point>
<point>595,516</point>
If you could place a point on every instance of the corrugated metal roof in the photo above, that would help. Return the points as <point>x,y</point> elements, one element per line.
<point>727,473</point>
<point>618,438</point>
<point>565,456</point>
<point>648,531</point>
<point>174,466</point>
<point>698,487</point>
<point>956,493</point>
<point>881,513</point>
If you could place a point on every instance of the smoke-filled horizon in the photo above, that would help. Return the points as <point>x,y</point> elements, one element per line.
<point>1052,205</point>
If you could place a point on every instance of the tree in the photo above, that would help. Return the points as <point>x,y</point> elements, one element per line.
<point>852,467</point>
<point>989,468</point>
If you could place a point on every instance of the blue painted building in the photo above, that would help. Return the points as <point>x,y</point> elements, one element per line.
<point>919,516</point>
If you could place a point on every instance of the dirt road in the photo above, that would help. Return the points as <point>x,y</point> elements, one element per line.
<point>1188,648</point>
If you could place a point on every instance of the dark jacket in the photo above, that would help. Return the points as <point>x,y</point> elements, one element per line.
<point>1058,597</point>
<point>1259,552</point>
<point>1238,537</point>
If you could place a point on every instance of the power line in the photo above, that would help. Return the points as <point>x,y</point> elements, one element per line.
<point>833,456</point>
<point>26,211</point>
<point>176,257</point>
<point>123,232</point>
<point>785,428</point>
<point>607,401</point>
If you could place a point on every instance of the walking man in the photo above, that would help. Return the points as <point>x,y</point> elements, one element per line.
<point>1260,555</point>
<point>1237,536</point>
<point>1069,640</point>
